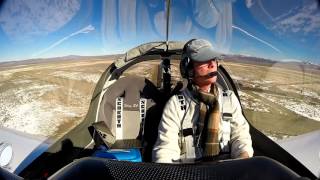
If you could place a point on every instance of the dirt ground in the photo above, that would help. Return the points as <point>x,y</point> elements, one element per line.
<point>291,97</point>
<point>50,98</point>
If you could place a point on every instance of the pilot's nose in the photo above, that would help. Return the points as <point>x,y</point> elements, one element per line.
<point>212,64</point>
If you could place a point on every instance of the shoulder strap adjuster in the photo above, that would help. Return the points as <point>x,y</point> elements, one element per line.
<point>226,116</point>
<point>182,102</point>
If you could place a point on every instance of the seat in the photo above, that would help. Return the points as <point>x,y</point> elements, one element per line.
<point>122,104</point>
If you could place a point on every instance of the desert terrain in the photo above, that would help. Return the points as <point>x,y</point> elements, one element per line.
<point>48,98</point>
<point>51,97</point>
<point>281,102</point>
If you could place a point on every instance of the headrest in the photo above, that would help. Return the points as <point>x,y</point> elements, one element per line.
<point>132,88</point>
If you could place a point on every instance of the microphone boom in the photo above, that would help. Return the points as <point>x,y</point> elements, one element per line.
<point>212,74</point>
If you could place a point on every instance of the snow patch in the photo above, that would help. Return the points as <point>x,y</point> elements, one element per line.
<point>22,81</point>
<point>277,137</point>
<point>238,78</point>
<point>23,110</point>
<point>299,90</point>
<point>295,105</point>
<point>6,73</point>
<point>263,85</point>
<point>251,103</point>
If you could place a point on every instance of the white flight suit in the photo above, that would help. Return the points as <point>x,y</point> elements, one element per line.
<point>167,150</point>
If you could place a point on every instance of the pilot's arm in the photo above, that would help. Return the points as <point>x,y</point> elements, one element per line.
<point>167,148</point>
<point>241,143</point>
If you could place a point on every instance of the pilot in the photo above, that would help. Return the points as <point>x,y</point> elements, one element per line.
<point>202,122</point>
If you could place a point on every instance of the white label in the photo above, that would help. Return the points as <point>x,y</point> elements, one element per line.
<point>119,115</point>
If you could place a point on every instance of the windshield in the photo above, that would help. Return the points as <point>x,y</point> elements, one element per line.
<point>52,54</point>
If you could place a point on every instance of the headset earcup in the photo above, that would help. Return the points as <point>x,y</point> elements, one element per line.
<point>190,70</point>
<point>183,67</point>
<point>185,64</point>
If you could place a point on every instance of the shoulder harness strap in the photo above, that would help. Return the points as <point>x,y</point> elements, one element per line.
<point>183,132</point>
<point>142,109</point>
<point>183,107</point>
<point>119,116</point>
<point>226,121</point>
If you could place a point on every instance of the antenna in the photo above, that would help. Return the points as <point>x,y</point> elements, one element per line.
<point>167,25</point>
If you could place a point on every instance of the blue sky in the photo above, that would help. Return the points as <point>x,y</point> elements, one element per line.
<point>38,29</point>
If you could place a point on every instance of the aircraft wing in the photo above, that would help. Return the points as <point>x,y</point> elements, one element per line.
<point>306,148</point>
<point>25,148</point>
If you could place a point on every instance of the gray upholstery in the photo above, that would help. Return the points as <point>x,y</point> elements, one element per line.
<point>131,88</point>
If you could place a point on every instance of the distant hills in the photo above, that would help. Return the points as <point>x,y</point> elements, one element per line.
<point>294,65</point>
<point>314,68</point>
<point>70,58</point>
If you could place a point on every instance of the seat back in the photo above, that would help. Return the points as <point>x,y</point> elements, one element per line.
<point>124,106</point>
